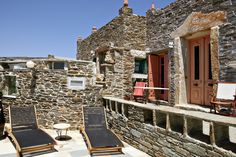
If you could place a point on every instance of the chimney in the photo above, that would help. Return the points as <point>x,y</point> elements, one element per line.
<point>125,10</point>
<point>94,29</point>
<point>153,6</point>
<point>80,39</point>
<point>50,56</point>
<point>126,3</point>
<point>79,43</point>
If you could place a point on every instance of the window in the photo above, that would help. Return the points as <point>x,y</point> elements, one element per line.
<point>140,66</point>
<point>76,83</point>
<point>101,61</point>
<point>196,63</point>
<point>13,66</point>
<point>9,85</point>
<point>57,65</point>
<point>19,66</point>
<point>209,63</point>
<point>5,66</point>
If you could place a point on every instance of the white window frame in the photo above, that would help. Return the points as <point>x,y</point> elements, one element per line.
<point>82,87</point>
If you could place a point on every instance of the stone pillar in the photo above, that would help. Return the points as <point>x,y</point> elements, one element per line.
<point>110,106</point>
<point>122,109</point>
<point>173,76</point>
<point>107,103</point>
<point>214,54</point>
<point>116,107</point>
<point>212,134</point>
<point>79,41</point>
<point>185,129</point>
<point>168,122</point>
<point>180,80</point>
<point>154,117</point>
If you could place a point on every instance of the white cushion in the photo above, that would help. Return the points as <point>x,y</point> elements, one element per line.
<point>226,91</point>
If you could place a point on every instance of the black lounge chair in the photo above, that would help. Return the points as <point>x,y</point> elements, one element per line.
<point>26,135</point>
<point>98,137</point>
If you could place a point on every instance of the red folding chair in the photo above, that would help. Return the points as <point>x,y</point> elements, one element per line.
<point>139,94</point>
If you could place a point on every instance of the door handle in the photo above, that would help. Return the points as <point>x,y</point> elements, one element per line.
<point>195,84</point>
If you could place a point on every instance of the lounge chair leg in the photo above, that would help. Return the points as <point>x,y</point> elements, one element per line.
<point>120,150</point>
<point>19,154</point>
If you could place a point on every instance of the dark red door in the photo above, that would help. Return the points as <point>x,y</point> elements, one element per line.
<point>152,75</point>
<point>158,76</point>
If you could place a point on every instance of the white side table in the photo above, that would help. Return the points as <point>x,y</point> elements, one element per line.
<point>60,127</point>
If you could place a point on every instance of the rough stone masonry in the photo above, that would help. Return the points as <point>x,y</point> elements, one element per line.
<point>47,89</point>
<point>172,24</point>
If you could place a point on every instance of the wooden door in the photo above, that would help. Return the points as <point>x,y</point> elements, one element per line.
<point>200,71</point>
<point>152,75</point>
<point>158,75</point>
<point>163,76</point>
<point>208,85</point>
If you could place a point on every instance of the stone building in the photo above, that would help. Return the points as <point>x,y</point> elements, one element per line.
<point>199,39</point>
<point>189,45</point>
<point>57,87</point>
<point>118,48</point>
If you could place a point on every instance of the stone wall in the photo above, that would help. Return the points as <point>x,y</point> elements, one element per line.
<point>47,90</point>
<point>104,36</point>
<point>126,30</point>
<point>123,33</point>
<point>128,62</point>
<point>117,80</point>
<point>162,23</point>
<point>113,73</point>
<point>227,45</point>
<point>134,32</point>
<point>167,132</point>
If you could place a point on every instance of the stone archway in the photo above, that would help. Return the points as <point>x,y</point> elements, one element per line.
<point>196,25</point>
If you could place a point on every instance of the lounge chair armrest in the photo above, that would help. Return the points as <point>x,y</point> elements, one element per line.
<point>8,128</point>
<point>81,128</point>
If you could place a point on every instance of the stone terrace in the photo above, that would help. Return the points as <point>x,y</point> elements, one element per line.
<point>75,147</point>
<point>168,131</point>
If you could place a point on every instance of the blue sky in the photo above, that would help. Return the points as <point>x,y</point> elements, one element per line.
<point>42,27</point>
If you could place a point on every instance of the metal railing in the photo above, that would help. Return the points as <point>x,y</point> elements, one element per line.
<point>146,92</point>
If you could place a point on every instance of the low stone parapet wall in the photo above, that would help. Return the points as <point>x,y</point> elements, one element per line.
<point>171,132</point>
